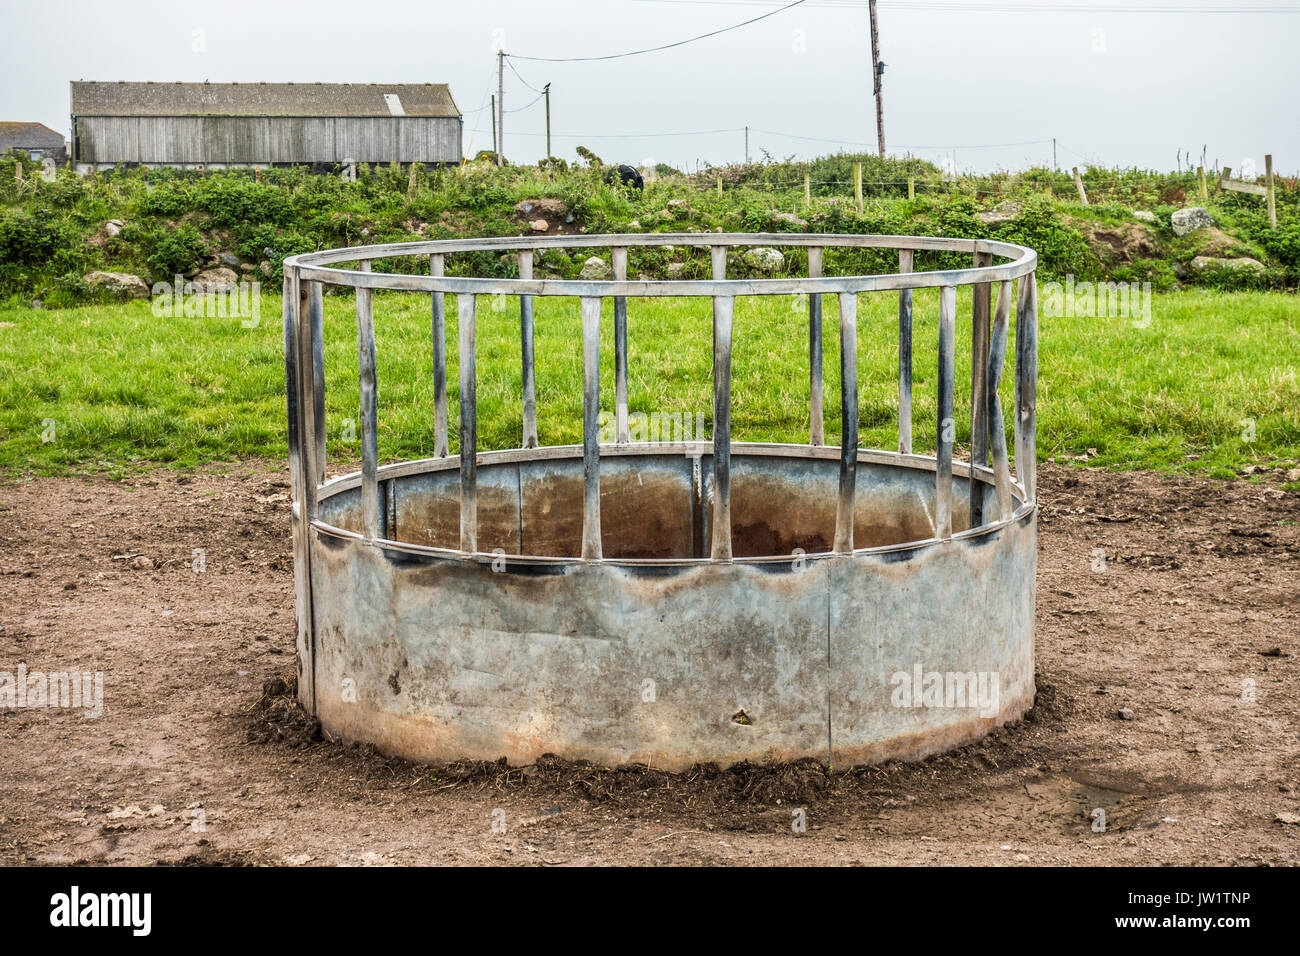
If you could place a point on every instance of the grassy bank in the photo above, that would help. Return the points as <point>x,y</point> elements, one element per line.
<point>1210,386</point>
<point>152,224</point>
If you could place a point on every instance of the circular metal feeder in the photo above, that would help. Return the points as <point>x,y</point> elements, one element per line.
<point>669,602</point>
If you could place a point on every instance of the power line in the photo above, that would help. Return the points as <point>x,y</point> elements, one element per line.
<point>521,79</point>
<point>534,102</point>
<point>656,49</point>
<point>1003,6</point>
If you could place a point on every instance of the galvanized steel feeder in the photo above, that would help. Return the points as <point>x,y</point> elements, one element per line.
<point>673,604</point>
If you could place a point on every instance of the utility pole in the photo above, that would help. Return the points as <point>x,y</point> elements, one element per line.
<point>746,145</point>
<point>501,106</point>
<point>494,122</point>
<point>1054,166</point>
<point>546,91</point>
<point>876,69</point>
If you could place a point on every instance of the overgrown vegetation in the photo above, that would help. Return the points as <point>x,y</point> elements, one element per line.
<point>52,234</point>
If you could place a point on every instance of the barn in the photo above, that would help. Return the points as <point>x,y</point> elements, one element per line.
<point>37,140</point>
<point>216,125</point>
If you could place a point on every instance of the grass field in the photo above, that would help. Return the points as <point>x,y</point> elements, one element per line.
<point>113,388</point>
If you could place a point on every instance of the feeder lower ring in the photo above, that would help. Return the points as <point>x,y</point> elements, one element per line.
<point>906,646</point>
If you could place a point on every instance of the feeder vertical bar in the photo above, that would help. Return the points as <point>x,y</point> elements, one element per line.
<point>372,518</point>
<point>438,268</point>
<point>591,543</point>
<point>943,469</point>
<point>817,429</point>
<point>618,258</point>
<point>1027,385</point>
<point>718,256</point>
<point>1017,420</point>
<point>997,426</point>
<point>848,421</point>
<point>466,307</point>
<point>723,311</point>
<point>316,308</point>
<point>526,353</point>
<point>981,304</point>
<point>906,258</point>
<point>303,490</point>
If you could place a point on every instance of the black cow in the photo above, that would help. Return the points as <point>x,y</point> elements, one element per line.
<point>626,175</point>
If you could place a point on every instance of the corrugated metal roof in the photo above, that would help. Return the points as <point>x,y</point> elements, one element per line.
<point>261,99</point>
<point>20,135</point>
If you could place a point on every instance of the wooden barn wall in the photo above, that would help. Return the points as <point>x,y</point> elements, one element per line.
<point>262,139</point>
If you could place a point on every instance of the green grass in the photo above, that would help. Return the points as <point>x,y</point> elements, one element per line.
<point>124,389</point>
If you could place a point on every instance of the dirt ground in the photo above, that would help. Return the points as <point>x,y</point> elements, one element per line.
<point>1173,599</point>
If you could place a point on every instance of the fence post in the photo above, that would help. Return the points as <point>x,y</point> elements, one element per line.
<point>807,191</point>
<point>1078,184</point>
<point>1268,174</point>
<point>719,185</point>
<point>857,184</point>
<point>911,187</point>
<point>1200,179</point>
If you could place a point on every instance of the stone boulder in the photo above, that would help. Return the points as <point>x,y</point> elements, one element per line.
<point>215,280</point>
<point>764,259</point>
<point>118,283</point>
<point>1190,219</point>
<point>594,268</point>
<point>1125,242</point>
<point>1007,211</point>
<point>1241,264</point>
<point>1144,215</point>
<point>790,219</point>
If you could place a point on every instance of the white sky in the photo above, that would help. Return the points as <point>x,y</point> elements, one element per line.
<point>1120,88</point>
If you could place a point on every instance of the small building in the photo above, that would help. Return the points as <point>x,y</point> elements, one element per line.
<point>37,140</point>
<point>216,125</point>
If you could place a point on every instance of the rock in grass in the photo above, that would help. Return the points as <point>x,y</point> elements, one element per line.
<point>594,268</point>
<point>1002,212</point>
<point>764,259</point>
<point>118,283</point>
<point>1190,219</point>
<point>1241,264</point>
<point>217,279</point>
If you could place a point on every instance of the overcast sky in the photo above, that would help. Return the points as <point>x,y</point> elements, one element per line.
<point>1116,88</point>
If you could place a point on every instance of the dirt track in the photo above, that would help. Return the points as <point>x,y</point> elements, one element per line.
<point>1200,592</point>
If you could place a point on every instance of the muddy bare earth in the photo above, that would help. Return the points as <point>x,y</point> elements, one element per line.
<point>1168,613</point>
